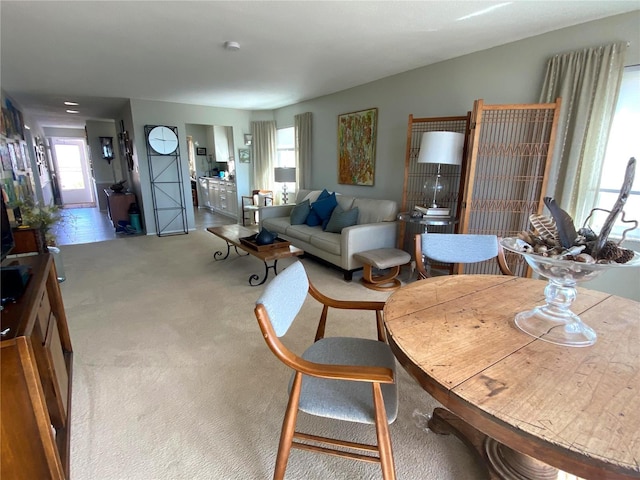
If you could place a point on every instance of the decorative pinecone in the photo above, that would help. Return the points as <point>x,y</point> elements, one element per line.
<point>625,255</point>
<point>609,251</point>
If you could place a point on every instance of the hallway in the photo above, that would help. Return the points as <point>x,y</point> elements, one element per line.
<point>89,225</point>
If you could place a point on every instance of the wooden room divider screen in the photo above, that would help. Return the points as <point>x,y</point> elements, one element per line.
<point>417,174</point>
<point>507,170</point>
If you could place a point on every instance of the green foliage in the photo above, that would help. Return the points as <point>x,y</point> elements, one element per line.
<point>36,215</point>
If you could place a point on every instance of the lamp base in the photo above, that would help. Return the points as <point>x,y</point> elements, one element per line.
<point>433,211</point>
<point>438,212</point>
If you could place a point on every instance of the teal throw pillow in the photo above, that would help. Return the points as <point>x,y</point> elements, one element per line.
<point>341,219</point>
<point>299,213</point>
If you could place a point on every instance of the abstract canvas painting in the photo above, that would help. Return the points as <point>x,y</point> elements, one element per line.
<point>357,133</point>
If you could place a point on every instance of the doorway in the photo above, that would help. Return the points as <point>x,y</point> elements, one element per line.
<point>72,171</point>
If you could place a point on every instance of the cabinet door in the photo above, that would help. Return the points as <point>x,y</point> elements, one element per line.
<point>213,194</point>
<point>232,200</point>
<point>204,192</point>
<point>58,366</point>
<point>28,445</point>
<point>223,198</point>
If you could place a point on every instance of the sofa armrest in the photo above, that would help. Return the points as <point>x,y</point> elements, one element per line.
<point>369,236</point>
<point>274,211</point>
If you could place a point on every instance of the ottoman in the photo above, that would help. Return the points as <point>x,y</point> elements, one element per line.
<point>382,259</point>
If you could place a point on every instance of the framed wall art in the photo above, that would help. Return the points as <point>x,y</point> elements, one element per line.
<point>201,151</point>
<point>357,132</point>
<point>244,155</point>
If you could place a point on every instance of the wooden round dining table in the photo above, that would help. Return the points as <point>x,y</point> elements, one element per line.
<point>527,407</point>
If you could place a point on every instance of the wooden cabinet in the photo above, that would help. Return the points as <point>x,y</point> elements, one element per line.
<point>118,205</point>
<point>232,199</point>
<point>36,372</point>
<point>29,240</point>
<point>219,196</point>
<point>203,192</point>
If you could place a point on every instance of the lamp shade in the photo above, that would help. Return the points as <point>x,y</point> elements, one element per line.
<point>282,175</point>
<point>441,147</point>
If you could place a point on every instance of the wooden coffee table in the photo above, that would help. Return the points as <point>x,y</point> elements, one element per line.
<point>507,393</point>
<point>232,235</point>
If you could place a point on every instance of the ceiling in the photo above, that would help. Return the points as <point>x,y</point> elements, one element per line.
<point>101,53</point>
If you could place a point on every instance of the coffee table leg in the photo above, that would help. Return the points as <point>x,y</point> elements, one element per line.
<point>500,461</point>
<point>255,277</point>
<point>220,253</point>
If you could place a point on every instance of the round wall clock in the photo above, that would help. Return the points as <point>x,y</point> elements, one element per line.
<point>163,140</point>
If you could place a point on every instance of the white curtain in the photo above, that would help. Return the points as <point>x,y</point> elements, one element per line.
<point>265,150</point>
<point>302,124</point>
<point>588,81</point>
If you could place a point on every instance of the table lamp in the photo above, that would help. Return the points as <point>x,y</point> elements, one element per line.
<point>285,175</point>
<point>440,148</point>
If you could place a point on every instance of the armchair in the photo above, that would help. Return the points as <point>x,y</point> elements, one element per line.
<point>251,204</point>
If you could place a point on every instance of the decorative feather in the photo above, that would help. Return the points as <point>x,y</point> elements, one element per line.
<point>629,175</point>
<point>545,227</point>
<point>564,223</point>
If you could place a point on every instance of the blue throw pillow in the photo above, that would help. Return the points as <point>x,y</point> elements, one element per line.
<point>325,206</point>
<point>341,219</point>
<point>323,194</point>
<point>299,213</point>
<point>313,220</point>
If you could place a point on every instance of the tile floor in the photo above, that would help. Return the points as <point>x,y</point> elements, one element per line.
<point>89,225</point>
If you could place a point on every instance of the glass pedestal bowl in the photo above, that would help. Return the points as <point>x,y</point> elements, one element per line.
<point>555,322</point>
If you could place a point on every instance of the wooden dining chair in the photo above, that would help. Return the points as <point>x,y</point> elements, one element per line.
<point>457,248</point>
<point>251,204</point>
<point>344,378</point>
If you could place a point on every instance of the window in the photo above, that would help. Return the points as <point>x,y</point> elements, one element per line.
<point>624,143</point>
<point>286,147</point>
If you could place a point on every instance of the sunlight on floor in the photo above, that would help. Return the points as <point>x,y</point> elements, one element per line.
<point>89,225</point>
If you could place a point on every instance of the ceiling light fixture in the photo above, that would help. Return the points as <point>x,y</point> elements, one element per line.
<point>233,46</point>
<point>73,111</point>
<point>71,104</point>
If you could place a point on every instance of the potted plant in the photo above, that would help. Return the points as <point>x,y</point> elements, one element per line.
<point>33,214</point>
<point>36,215</point>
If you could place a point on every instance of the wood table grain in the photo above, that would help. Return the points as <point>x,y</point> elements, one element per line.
<point>576,409</point>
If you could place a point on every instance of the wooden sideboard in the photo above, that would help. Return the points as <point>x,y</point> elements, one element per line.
<point>36,370</point>
<point>28,239</point>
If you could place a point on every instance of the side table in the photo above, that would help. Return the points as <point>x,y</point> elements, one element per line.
<point>118,205</point>
<point>420,225</point>
<point>427,221</point>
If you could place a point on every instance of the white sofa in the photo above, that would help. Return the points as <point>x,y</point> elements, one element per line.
<point>376,228</point>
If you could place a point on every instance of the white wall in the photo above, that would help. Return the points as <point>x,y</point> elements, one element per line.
<point>511,73</point>
<point>145,112</point>
<point>104,173</point>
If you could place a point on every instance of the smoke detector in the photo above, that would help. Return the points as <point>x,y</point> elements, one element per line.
<point>233,46</point>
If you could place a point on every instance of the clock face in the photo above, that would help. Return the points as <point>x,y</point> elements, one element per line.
<point>163,140</point>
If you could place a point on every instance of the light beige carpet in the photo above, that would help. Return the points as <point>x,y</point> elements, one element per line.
<point>172,379</point>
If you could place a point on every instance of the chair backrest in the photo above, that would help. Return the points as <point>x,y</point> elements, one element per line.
<point>459,248</point>
<point>283,297</point>
<point>262,198</point>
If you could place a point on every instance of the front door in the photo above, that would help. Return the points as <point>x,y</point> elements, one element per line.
<point>72,171</point>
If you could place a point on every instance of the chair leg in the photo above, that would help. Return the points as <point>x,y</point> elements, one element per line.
<point>382,335</point>
<point>322,324</point>
<point>384,438</point>
<point>288,428</point>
